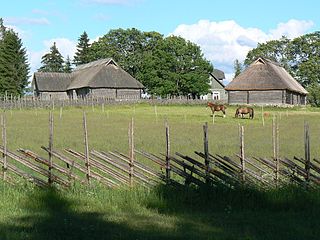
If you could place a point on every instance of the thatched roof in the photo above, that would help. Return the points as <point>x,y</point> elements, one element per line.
<point>104,73</point>
<point>51,81</point>
<point>264,74</point>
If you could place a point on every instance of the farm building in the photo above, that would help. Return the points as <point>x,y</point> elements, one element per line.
<point>217,91</point>
<point>265,82</point>
<point>101,78</point>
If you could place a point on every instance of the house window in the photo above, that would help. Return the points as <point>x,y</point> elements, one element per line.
<point>215,95</point>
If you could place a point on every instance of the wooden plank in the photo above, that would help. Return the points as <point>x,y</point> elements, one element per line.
<point>86,149</point>
<point>44,161</point>
<point>50,147</point>
<point>29,177</point>
<point>4,142</point>
<point>140,166</point>
<point>206,150</point>
<point>152,157</point>
<point>110,161</point>
<point>81,168</point>
<point>302,172</point>
<point>167,152</point>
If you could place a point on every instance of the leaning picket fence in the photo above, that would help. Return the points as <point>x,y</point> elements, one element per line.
<point>138,167</point>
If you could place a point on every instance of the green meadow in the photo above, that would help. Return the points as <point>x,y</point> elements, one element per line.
<point>163,212</point>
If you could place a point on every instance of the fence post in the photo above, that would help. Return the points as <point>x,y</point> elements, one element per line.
<point>242,158</point>
<point>275,145</point>
<point>4,142</point>
<point>168,168</point>
<point>131,151</point>
<point>206,150</point>
<point>50,146</point>
<point>307,150</point>
<point>86,152</point>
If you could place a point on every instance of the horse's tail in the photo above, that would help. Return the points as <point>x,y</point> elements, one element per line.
<point>252,113</point>
<point>237,113</point>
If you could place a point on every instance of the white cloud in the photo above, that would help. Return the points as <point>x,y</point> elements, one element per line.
<point>224,42</point>
<point>28,21</point>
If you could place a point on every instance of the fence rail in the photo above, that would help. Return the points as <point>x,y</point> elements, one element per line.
<point>138,167</point>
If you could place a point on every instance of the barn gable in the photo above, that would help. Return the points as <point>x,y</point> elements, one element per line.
<point>265,82</point>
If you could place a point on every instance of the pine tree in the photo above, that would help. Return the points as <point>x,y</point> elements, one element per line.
<point>2,29</point>
<point>52,61</point>
<point>237,68</point>
<point>67,65</point>
<point>14,67</point>
<point>82,54</point>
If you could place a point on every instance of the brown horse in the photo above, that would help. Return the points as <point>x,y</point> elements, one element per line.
<point>217,107</point>
<point>244,110</point>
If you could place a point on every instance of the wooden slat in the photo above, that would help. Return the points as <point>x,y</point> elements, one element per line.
<point>44,161</point>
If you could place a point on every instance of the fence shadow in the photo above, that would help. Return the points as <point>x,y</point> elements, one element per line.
<point>242,213</point>
<point>198,213</point>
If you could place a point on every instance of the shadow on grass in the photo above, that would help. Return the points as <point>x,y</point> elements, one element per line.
<point>205,213</point>
<point>244,213</point>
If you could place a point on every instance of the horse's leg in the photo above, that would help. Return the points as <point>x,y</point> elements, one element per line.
<point>224,113</point>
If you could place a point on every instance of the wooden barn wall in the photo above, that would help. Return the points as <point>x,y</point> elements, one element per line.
<point>104,92</point>
<point>53,95</point>
<point>265,97</point>
<point>129,93</point>
<point>237,97</point>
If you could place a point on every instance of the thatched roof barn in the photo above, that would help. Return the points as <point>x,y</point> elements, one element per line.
<point>101,78</point>
<point>265,82</point>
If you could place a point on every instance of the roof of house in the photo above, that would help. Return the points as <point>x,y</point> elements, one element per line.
<point>218,76</point>
<point>104,73</point>
<point>51,81</point>
<point>264,74</point>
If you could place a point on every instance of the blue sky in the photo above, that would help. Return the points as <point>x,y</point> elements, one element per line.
<point>225,30</point>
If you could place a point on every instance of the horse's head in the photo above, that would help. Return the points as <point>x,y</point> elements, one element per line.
<point>209,104</point>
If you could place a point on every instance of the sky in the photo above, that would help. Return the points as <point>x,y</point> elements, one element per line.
<point>225,30</point>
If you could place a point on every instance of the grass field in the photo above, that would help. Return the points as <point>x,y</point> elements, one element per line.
<point>96,212</point>
<point>108,129</point>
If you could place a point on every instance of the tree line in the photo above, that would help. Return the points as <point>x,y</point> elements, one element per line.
<point>164,65</point>
<point>14,66</point>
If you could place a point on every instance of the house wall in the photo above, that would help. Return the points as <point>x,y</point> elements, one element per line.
<point>52,95</point>
<point>129,93</point>
<point>109,93</point>
<point>103,92</point>
<point>266,97</point>
<point>217,88</point>
<point>237,97</point>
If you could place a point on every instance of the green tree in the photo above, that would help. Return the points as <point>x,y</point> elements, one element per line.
<point>2,29</point>
<point>126,47</point>
<point>14,67</point>
<point>176,67</point>
<point>164,65</point>
<point>67,65</point>
<point>82,54</point>
<point>238,68</point>
<point>275,50</point>
<point>52,61</point>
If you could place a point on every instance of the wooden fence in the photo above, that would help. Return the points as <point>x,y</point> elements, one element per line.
<point>138,167</point>
<point>13,102</point>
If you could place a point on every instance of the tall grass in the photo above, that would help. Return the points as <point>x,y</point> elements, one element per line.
<point>163,212</point>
